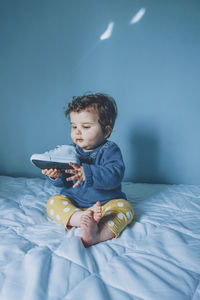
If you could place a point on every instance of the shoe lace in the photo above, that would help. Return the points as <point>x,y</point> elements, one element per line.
<point>57,149</point>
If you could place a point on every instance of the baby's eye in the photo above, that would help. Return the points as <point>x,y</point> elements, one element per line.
<point>86,127</point>
<point>74,127</point>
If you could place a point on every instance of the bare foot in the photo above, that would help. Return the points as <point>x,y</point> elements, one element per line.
<point>96,208</point>
<point>90,230</point>
<point>74,221</point>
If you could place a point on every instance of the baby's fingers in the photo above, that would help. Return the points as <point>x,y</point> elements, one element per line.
<point>44,171</point>
<point>73,165</point>
<point>55,172</point>
<point>71,178</point>
<point>70,171</point>
<point>76,184</point>
<point>51,172</point>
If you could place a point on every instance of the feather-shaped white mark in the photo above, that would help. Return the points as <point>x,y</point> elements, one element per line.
<point>107,34</point>
<point>138,16</point>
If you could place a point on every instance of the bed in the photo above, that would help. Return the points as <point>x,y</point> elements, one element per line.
<point>156,257</point>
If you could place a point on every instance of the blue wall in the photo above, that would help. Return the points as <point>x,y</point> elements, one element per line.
<point>51,50</point>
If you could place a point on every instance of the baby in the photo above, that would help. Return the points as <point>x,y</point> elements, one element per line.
<point>91,196</point>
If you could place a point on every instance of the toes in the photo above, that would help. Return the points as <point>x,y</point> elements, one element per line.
<point>89,214</point>
<point>97,216</point>
<point>99,211</point>
<point>98,207</point>
<point>84,220</point>
<point>87,217</point>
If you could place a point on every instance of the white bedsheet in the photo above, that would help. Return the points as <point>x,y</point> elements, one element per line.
<point>156,258</point>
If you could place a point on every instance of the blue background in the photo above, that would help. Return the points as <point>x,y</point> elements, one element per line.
<point>51,50</point>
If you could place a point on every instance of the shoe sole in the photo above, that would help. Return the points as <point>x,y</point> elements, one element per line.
<point>51,165</point>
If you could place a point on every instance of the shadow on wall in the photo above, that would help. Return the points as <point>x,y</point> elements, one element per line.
<point>146,153</point>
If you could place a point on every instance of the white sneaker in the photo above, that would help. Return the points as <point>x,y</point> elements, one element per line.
<point>57,158</point>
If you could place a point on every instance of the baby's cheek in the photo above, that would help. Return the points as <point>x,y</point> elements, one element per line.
<point>72,136</point>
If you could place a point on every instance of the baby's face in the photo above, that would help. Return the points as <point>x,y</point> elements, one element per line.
<point>86,131</point>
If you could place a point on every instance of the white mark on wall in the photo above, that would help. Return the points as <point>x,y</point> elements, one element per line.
<point>107,34</point>
<point>138,16</point>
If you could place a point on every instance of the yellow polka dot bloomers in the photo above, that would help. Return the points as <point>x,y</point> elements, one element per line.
<point>116,213</point>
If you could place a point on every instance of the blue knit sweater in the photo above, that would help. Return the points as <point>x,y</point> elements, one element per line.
<point>103,169</point>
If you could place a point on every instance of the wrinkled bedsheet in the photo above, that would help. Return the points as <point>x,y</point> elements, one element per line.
<point>155,258</point>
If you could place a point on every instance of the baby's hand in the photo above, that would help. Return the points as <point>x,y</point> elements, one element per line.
<point>52,173</point>
<point>78,174</point>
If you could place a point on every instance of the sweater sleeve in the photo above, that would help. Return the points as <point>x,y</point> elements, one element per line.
<point>108,173</point>
<point>60,181</point>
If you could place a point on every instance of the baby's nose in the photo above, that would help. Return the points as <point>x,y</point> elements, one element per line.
<point>78,131</point>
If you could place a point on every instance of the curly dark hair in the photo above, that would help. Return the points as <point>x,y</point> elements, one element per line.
<point>104,104</point>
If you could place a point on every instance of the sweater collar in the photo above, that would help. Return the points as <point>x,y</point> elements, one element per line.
<point>91,153</point>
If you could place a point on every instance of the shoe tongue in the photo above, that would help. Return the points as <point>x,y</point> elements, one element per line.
<point>50,152</point>
<point>64,149</point>
<point>69,150</point>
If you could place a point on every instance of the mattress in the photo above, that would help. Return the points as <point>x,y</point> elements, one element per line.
<point>156,257</point>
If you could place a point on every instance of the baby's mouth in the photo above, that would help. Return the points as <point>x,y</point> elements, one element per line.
<point>79,140</point>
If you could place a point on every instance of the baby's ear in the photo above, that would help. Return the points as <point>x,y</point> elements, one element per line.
<point>107,131</point>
